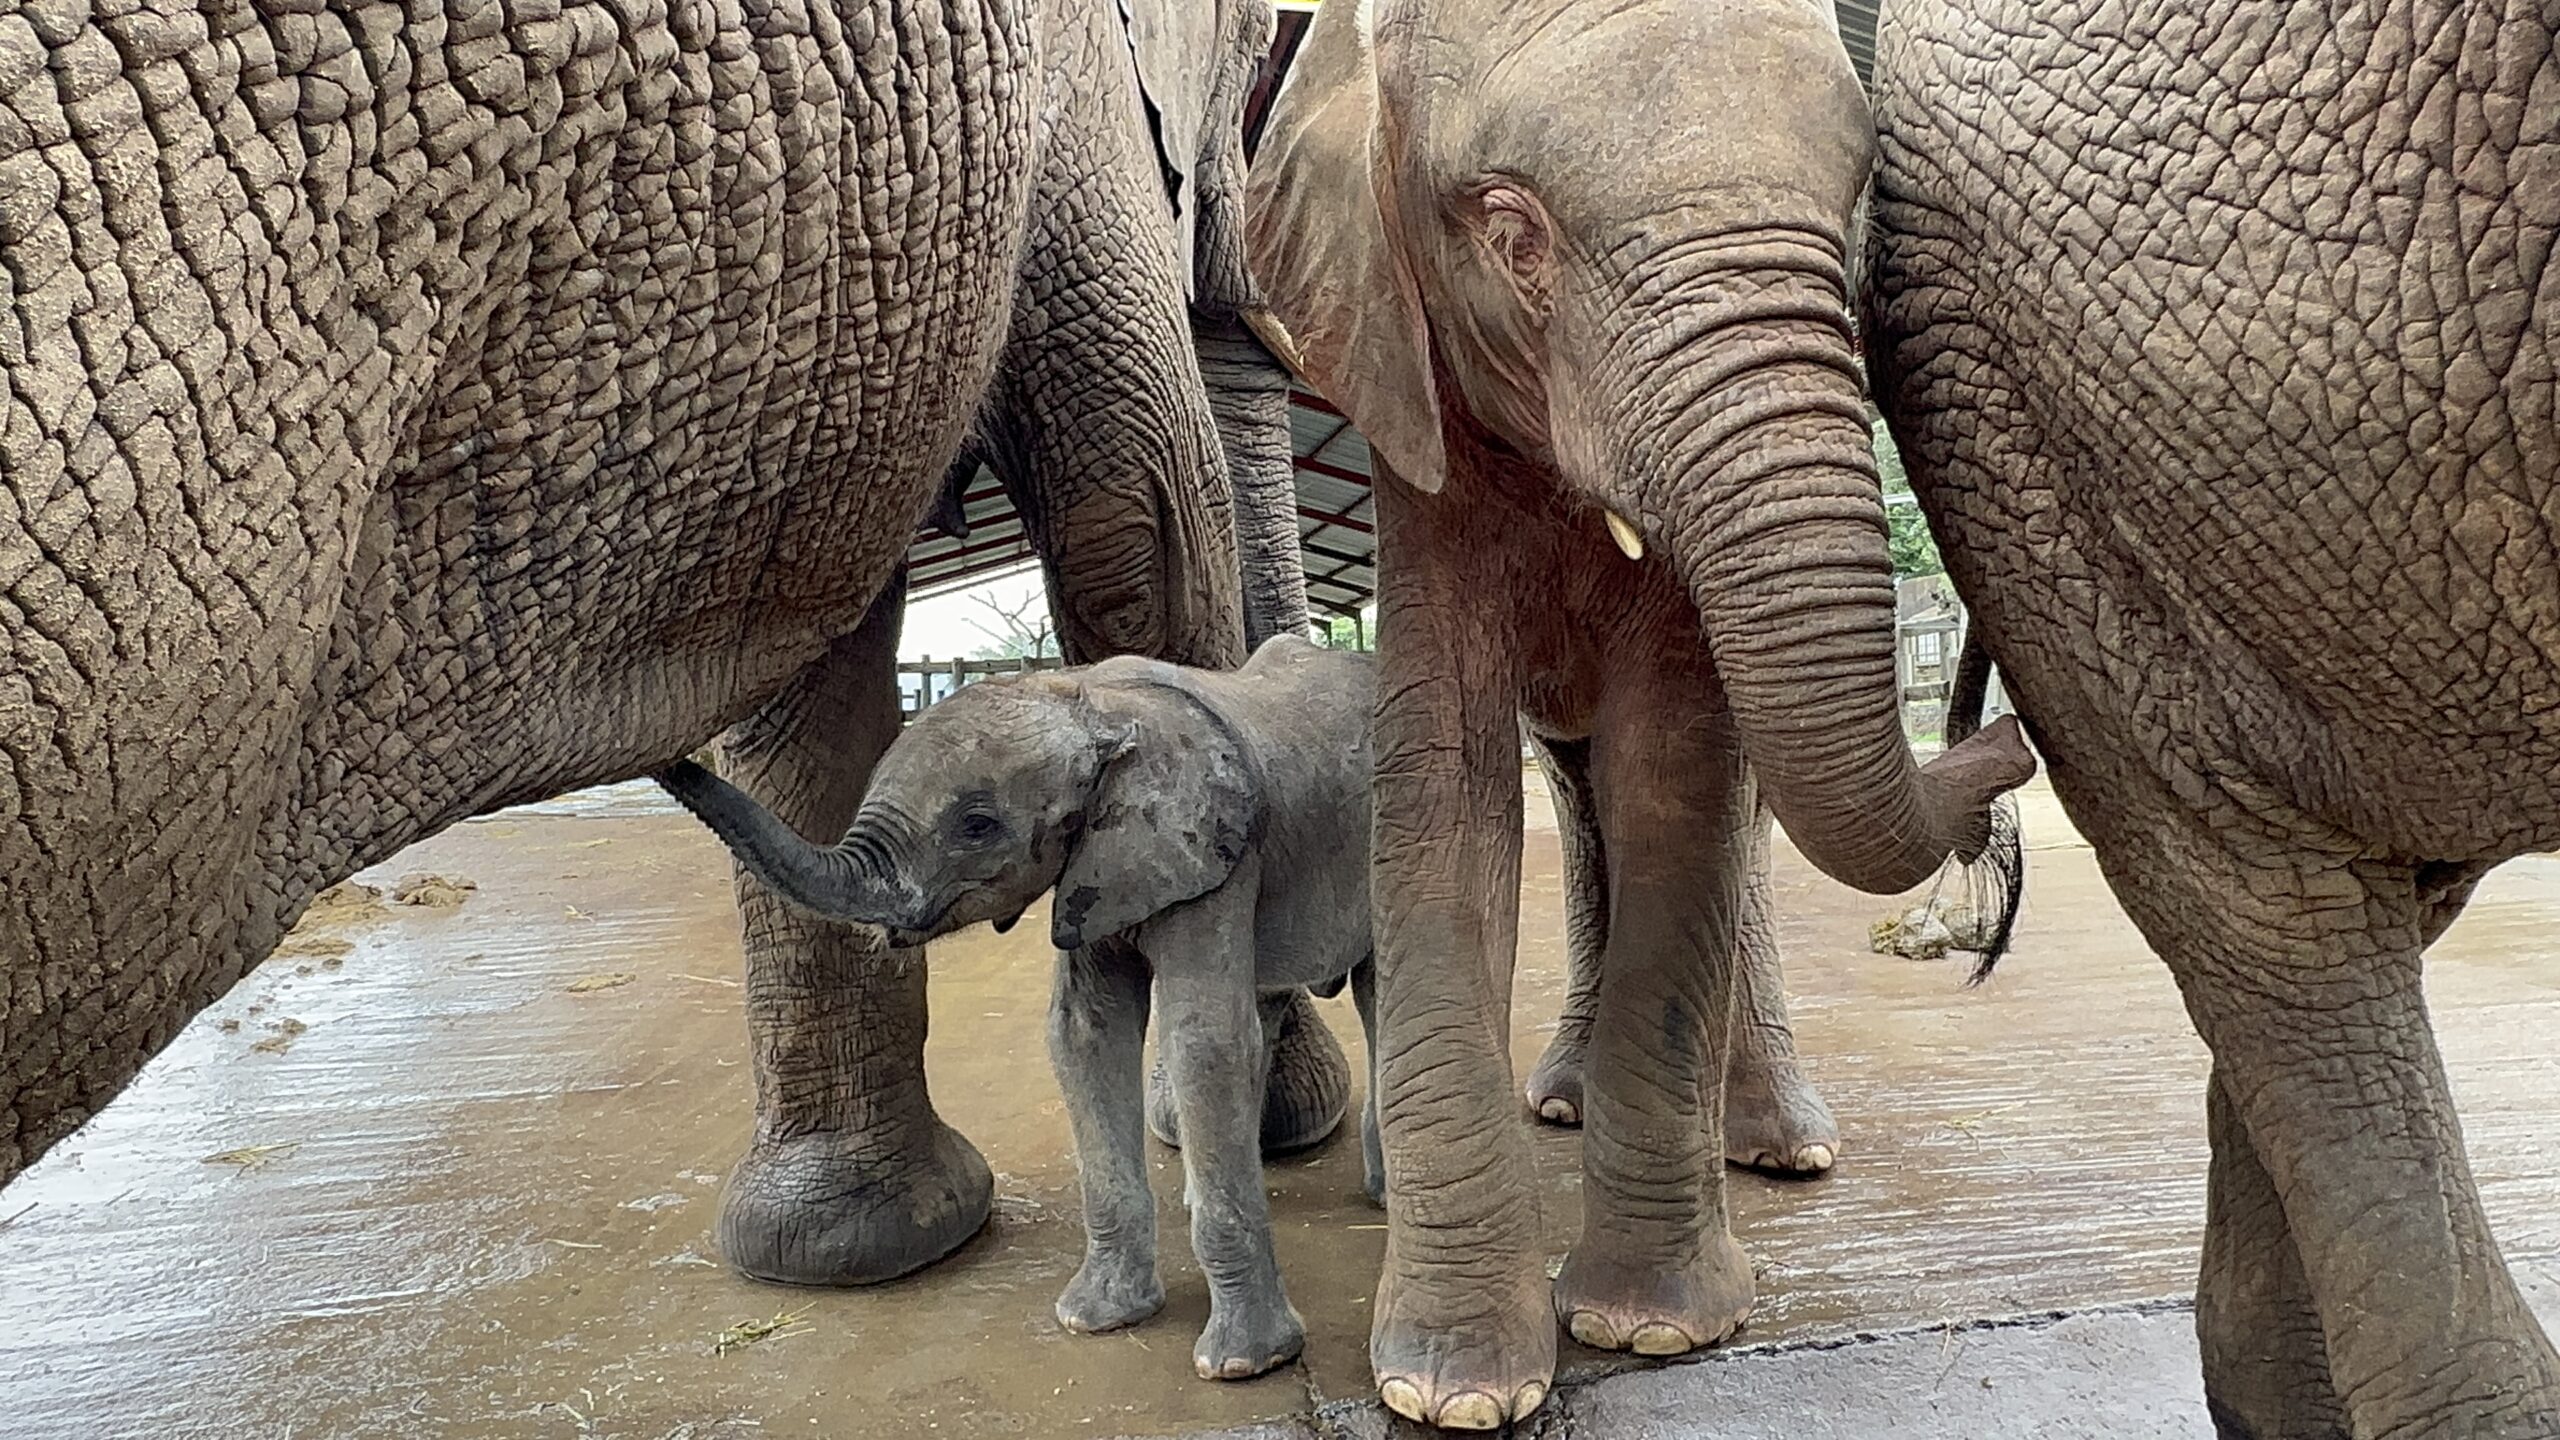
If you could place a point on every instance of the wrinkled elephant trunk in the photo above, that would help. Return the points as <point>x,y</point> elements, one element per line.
<point>847,881</point>
<point>1748,443</point>
<point>1249,395</point>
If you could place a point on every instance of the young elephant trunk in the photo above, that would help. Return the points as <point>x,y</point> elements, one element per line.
<point>847,881</point>
<point>1748,442</point>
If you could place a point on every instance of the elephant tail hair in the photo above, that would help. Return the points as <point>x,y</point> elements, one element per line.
<point>1994,882</point>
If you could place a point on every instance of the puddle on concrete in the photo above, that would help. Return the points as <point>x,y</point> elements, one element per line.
<point>474,1194</point>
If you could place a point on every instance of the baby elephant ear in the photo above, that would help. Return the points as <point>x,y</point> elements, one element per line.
<point>1168,820</point>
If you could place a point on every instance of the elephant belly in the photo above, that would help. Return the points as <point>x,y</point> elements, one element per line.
<point>698,451</point>
<point>1312,931</point>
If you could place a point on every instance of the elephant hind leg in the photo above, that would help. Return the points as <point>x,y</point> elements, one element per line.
<point>1305,1095</point>
<point>2336,1146</point>
<point>1774,1120</point>
<point>2266,1362</point>
<point>1555,1083</point>
<point>850,1178</point>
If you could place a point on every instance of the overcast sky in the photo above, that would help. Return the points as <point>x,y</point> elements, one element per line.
<point>941,626</point>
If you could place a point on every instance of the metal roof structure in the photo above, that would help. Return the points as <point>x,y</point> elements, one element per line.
<point>1337,524</point>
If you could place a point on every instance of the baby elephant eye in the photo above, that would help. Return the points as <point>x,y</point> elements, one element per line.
<point>977,827</point>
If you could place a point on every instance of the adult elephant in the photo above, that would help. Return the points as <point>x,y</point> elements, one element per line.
<point>1578,272</point>
<point>2220,343</point>
<point>416,412</point>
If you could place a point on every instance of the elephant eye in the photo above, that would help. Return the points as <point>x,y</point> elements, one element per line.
<point>978,827</point>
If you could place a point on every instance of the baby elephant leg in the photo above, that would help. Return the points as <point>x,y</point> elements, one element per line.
<point>1212,1034</point>
<point>1097,1030</point>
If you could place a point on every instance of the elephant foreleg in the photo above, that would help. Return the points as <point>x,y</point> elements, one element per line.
<point>1463,1336</point>
<point>1204,959</point>
<point>850,1178</point>
<point>1097,1032</point>
<point>1657,1270</point>
<point>1305,1094</point>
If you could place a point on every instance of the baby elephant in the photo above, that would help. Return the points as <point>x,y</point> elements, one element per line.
<point>1206,829</point>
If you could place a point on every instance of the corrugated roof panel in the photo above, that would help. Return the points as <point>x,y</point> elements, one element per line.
<point>1858,35</point>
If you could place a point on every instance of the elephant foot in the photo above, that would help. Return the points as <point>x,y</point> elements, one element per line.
<point>1468,1354</point>
<point>1555,1086</point>
<point>1109,1292</point>
<point>1248,1337</point>
<point>1305,1097</point>
<point>1775,1121</point>
<point>832,1208</point>
<point>1611,1300</point>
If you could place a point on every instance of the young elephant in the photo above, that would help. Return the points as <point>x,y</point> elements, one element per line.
<point>1206,829</point>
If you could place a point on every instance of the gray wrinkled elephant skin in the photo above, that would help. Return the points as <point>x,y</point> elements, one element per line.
<point>416,410</point>
<point>2220,345</point>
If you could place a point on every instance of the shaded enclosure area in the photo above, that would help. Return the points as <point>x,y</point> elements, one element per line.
<point>449,1168</point>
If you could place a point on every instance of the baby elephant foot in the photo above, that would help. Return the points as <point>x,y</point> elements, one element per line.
<point>1612,1300</point>
<point>1248,1337</point>
<point>1109,1293</point>
<point>1555,1086</point>
<point>1775,1121</point>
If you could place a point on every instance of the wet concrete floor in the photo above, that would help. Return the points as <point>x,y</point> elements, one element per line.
<point>469,1157</point>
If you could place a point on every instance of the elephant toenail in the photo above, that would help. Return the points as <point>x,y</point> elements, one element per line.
<point>1531,1396</point>
<point>1559,1111</point>
<point>1590,1329</point>
<point>1404,1399</point>
<point>1471,1410</point>
<point>1660,1339</point>
<point>1814,1157</point>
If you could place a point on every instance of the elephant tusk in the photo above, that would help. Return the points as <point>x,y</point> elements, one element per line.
<point>1275,337</point>
<point>1625,534</point>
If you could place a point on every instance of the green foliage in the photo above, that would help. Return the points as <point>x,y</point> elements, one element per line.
<point>1341,634</point>
<point>1915,552</point>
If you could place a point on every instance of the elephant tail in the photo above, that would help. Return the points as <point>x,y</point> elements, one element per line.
<point>1972,687</point>
<point>1995,880</point>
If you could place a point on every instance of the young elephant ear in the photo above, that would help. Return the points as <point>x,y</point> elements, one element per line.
<point>1168,820</point>
<point>1341,290</point>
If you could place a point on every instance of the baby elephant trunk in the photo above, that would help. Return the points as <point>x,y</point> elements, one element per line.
<point>848,881</point>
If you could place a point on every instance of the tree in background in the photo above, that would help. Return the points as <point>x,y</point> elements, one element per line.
<point>1915,551</point>
<point>1017,630</point>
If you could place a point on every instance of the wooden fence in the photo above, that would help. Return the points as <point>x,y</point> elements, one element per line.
<point>924,682</point>
<point>1924,649</point>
